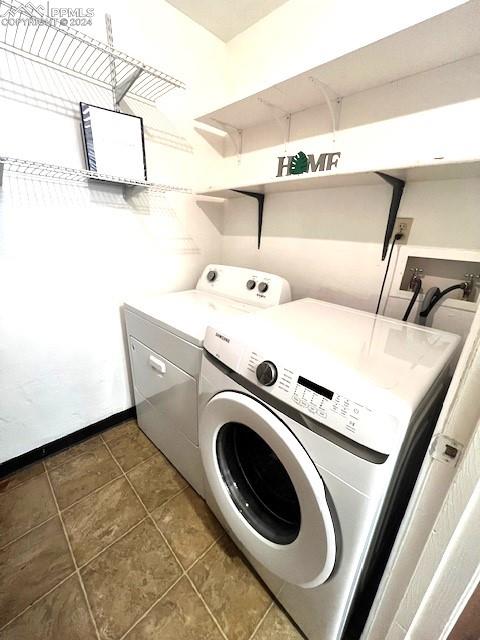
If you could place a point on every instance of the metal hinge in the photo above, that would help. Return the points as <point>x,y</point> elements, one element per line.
<point>445,449</point>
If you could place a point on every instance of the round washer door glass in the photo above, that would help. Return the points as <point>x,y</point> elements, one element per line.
<point>267,488</point>
<point>258,483</point>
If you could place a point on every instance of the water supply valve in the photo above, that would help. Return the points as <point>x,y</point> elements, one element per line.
<point>417,274</point>
<point>470,284</point>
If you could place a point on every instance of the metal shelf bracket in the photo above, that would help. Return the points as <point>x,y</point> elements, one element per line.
<point>398,186</point>
<point>119,90</point>
<point>260,198</point>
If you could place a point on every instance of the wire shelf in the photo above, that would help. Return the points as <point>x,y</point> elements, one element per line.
<point>23,28</point>
<point>68,174</point>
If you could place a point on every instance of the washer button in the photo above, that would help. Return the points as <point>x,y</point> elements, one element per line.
<point>251,284</point>
<point>263,287</point>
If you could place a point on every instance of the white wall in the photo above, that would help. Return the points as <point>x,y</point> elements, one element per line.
<point>70,255</point>
<point>328,242</point>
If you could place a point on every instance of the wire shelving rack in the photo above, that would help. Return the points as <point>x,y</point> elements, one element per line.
<point>67,174</point>
<point>23,28</point>
<point>26,30</point>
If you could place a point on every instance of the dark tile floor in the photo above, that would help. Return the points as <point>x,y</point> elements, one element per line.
<point>106,541</point>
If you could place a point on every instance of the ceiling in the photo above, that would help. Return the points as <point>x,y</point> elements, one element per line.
<point>226,18</point>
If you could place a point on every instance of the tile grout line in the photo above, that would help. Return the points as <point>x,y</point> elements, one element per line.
<point>88,495</point>
<point>87,562</point>
<point>22,535</point>
<point>259,624</point>
<point>97,489</point>
<point>92,437</point>
<point>141,461</point>
<point>82,566</point>
<point>130,484</point>
<point>182,575</point>
<point>184,572</point>
<point>20,484</point>
<point>148,516</point>
<point>32,604</point>
<point>145,614</point>
<point>202,599</point>
<point>76,502</point>
<point>204,553</point>
<point>137,464</point>
<point>78,568</point>
<point>175,495</point>
<point>57,466</point>
<point>63,509</point>
<point>58,513</point>
<point>82,586</point>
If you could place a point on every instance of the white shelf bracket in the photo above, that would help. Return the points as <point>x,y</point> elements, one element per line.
<point>122,89</point>
<point>235,135</point>
<point>282,118</point>
<point>334,103</point>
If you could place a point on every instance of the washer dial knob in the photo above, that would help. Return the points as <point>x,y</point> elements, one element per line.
<point>211,275</point>
<point>251,284</point>
<point>263,287</point>
<point>267,373</point>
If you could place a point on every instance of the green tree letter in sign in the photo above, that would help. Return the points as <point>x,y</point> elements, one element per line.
<point>299,163</point>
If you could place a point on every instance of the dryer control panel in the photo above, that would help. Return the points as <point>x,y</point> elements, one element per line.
<point>256,288</point>
<point>336,410</point>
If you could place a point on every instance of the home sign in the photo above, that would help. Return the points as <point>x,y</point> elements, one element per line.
<point>303,163</point>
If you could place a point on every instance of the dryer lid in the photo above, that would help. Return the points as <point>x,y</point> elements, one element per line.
<point>188,313</point>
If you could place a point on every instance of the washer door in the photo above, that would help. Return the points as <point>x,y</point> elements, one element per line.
<point>267,489</point>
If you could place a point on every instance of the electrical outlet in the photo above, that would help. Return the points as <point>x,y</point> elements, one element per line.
<point>403,225</point>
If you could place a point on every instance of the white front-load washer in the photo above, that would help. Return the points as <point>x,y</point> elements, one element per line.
<point>165,335</point>
<point>314,420</point>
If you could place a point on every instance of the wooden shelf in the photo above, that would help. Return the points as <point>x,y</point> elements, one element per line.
<point>446,38</point>
<point>441,171</point>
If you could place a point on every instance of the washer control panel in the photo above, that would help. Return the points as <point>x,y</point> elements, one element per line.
<point>332,408</point>
<point>323,404</point>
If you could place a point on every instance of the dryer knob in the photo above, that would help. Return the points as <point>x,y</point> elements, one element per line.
<point>251,284</point>
<point>267,373</point>
<point>211,275</point>
<point>263,287</point>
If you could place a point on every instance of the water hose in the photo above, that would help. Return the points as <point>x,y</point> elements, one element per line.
<point>416,291</point>
<point>436,297</point>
